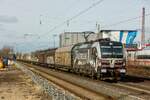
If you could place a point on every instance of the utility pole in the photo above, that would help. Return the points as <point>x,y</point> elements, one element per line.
<point>40,19</point>
<point>143,27</point>
<point>98,27</point>
<point>54,35</point>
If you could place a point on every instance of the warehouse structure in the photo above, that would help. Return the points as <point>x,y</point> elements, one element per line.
<point>70,38</point>
<point>124,36</point>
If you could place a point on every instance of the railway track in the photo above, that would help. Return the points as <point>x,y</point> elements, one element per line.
<point>125,90</point>
<point>136,88</point>
<point>82,92</point>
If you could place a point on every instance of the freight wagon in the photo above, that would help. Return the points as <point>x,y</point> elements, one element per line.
<point>46,57</point>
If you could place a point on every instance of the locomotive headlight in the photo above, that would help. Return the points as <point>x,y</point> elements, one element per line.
<point>103,70</point>
<point>124,63</point>
<point>112,66</point>
<point>122,71</point>
<point>99,63</point>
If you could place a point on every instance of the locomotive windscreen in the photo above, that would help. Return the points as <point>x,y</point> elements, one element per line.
<point>111,49</point>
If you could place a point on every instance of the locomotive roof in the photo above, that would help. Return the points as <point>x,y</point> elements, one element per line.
<point>100,40</point>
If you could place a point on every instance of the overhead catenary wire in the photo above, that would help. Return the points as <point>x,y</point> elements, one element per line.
<point>109,25</point>
<point>124,21</point>
<point>75,16</point>
<point>85,10</point>
<point>72,5</point>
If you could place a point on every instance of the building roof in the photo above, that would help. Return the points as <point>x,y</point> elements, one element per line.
<point>116,30</point>
<point>86,32</point>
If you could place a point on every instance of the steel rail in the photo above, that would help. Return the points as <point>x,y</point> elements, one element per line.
<point>137,90</point>
<point>82,92</point>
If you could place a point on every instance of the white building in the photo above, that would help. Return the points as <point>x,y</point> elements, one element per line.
<point>70,38</point>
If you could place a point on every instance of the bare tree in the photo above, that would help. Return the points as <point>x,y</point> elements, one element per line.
<point>6,51</point>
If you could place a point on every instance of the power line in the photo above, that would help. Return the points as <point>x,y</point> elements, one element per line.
<point>77,15</point>
<point>84,11</point>
<point>124,21</point>
<point>74,3</point>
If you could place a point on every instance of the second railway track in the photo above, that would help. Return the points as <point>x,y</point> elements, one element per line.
<point>97,90</point>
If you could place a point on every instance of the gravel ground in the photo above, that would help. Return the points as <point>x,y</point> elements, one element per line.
<point>15,85</point>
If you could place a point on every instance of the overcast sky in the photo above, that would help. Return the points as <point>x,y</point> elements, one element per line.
<point>26,24</point>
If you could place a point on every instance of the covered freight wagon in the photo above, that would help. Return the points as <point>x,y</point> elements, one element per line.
<point>46,56</point>
<point>63,57</point>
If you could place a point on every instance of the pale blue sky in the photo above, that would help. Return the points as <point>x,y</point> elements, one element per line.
<point>20,19</point>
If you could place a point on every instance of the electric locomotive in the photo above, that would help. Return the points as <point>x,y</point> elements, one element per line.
<point>101,59</point>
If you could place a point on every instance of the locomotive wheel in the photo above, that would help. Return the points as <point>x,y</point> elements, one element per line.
<point>122,77</point>
<point>76,70</point>
<point>69,70</point>
<point>115,76</point>
<point>99,74</point>
<point>92,74</point>
<point>101,77</point>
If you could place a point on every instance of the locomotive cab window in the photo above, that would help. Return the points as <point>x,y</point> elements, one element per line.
<point>111,50</point>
